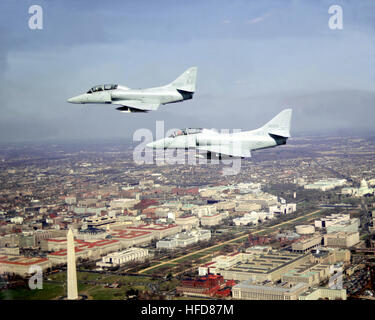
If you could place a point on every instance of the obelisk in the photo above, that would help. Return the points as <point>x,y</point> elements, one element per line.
<point>72,272</point>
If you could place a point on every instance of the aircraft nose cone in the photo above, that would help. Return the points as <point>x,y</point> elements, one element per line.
<point>76,99</point>
<point>72,100</point>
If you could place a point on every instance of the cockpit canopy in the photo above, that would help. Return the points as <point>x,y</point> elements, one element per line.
<point>103,87</point>
<point>186,131</point>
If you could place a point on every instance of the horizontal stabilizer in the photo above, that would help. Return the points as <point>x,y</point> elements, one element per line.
<point>129,110</point>
<point>227,149</point>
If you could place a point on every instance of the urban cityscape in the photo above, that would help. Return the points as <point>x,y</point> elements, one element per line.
<point>176,159</point>
<point>83,221</point>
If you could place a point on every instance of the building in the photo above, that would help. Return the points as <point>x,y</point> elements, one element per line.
<point>128,238</point>
<point>308,273</point>
<point>96,222</point>
<point>226,205</point>
<point>262,263</point>
<point>200,211</point>
<point>247,290</point>
<point>187,222</point>
<point>184,239</point>
<point>305,229</point>
<point>341,239</point>
<point>10,251</point>
<point>331,255</point>
<point>10,240</point>
<point>283,208</point>
<point>211,220</point>
<point>362,191</point>
<point>70,200</point>
<point>144,184</point>
<point>121,204</point>
<point>351,225</point>
<point>119,258</point>
<point>321,293</point>
<point>257,264</point>
<point>40,235</point>
<point>90,249</point>
<point>246,219</point>
<point>206,286</point>
<point>331,220</point>
<point>307,244</point>
<point>90,233</point>
<point>262,198</point>
<point>340,255</point>
<point>253,218</point>
<point>16,220</point>
<point>27,240</point>
<point>159,231</point>
<point>247,206</point>
<point>326,184</point>
<point>21,265</point>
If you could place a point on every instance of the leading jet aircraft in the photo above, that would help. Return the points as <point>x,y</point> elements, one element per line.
<point>141,100</point>
<point>240,144</point>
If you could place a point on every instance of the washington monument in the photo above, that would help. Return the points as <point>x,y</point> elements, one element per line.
<point>72,272</point>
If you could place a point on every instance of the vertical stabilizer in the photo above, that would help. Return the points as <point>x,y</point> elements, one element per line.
<point>186,81</point>
<point>279,125</point>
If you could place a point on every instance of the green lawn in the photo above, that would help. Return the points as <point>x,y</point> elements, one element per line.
<point>57,287</point>
<point>107,293</point>
<point>192,257</point>
<point>164,266</point>
<point>48,292</point>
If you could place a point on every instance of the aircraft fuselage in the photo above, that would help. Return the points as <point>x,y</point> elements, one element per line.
<point>248,140</point>
<point>158,95</point>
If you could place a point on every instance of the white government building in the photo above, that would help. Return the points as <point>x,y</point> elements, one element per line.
<point>332,219</point>
<point>326,184</point>
<point>359,192</point>
<point>252,218</point>
<point>184,239</point>
<point>118,258</point>
<point>283,208</point>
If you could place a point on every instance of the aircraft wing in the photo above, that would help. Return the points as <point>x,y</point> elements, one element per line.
<point>227,149</point>
<point>136,105</point>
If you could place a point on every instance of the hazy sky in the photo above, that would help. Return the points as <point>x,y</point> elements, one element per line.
<point>254,59</point>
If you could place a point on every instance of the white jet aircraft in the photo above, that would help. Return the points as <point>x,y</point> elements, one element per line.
<point>240,144</point>
<point>141,100</point>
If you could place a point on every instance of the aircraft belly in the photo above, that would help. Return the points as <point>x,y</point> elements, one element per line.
<point>257,145</point>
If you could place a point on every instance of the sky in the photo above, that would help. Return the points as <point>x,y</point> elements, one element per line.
<point>254,59</point>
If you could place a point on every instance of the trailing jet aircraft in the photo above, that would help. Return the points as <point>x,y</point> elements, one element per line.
<point>141,100</point>
<point>274,133</point>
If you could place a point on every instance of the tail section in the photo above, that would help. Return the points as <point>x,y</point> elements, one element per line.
<point>279,125</point>
<point>186,81</point>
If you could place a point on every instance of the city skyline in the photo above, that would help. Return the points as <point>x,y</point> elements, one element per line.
<point>300,213</point>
